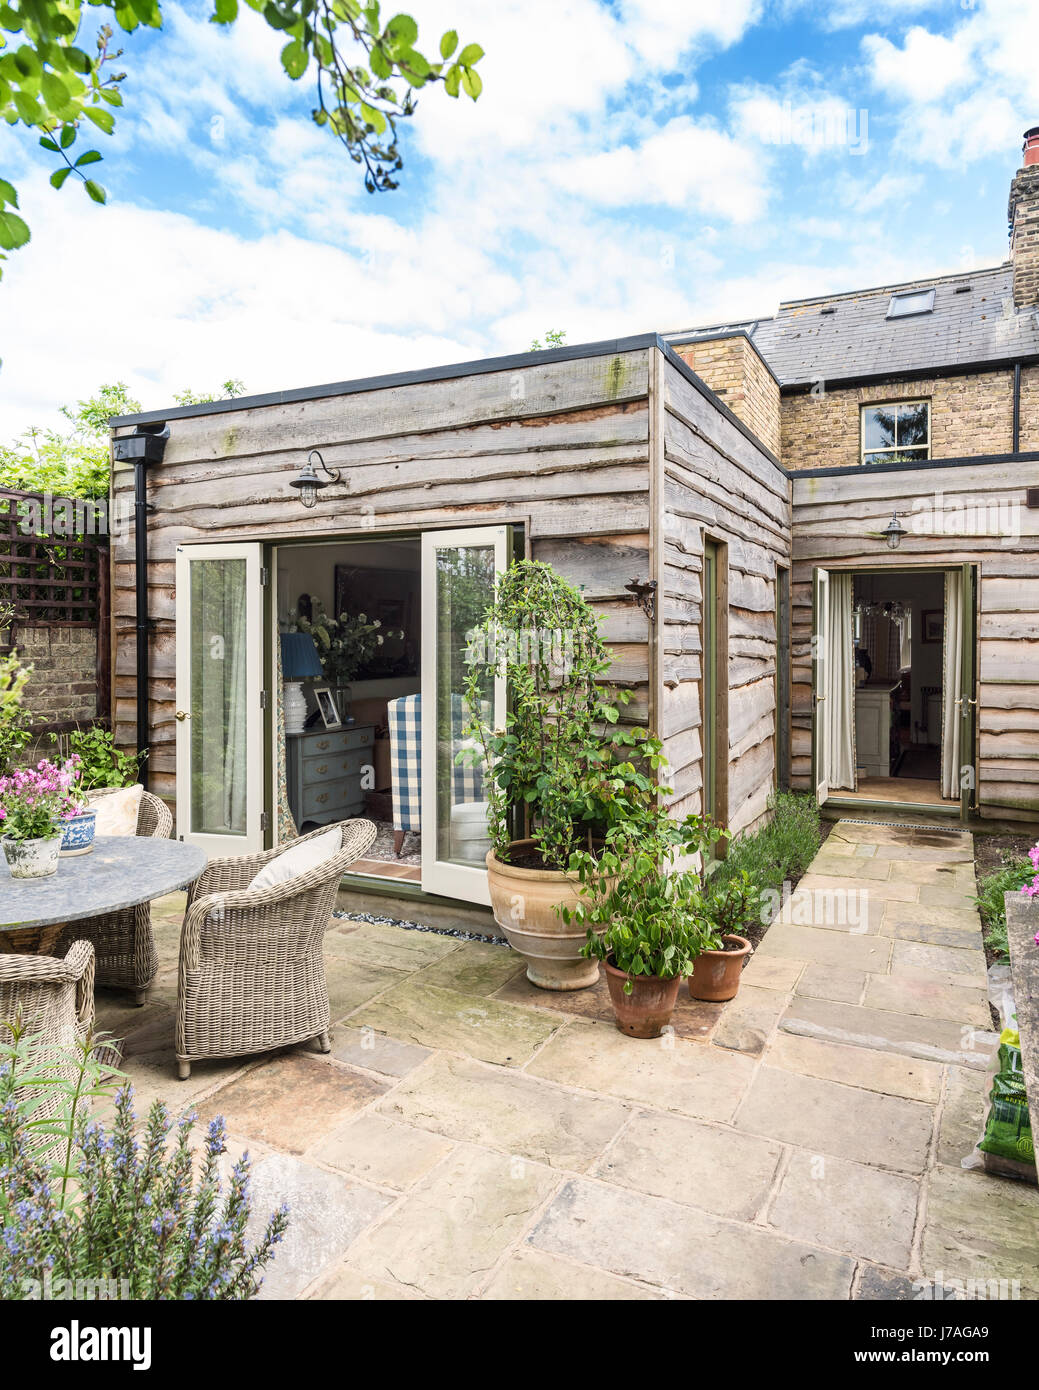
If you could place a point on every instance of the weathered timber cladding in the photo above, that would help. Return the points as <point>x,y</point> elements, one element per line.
<point>560,447</point>
<point>719,482</point>
<point>836,524</point>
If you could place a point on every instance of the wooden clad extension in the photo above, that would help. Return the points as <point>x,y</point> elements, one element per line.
<point>953,515</point>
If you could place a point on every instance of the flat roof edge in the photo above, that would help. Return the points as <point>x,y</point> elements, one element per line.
<point>971,461</point>
<point>388,380</point>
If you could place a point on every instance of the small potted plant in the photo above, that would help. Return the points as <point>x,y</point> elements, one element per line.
<point>727,902</point>
<point>31,801</point>
<point>77,817</point>
<point>646,921</point>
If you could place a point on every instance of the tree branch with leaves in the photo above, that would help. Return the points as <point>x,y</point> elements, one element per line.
<point>367,75</point>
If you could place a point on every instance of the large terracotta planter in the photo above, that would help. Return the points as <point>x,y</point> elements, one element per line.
<point>716,974</point>
<point>647,1010</point>
<point>524,903</point>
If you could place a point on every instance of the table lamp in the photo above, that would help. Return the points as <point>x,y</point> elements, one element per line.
<point>299,662</point>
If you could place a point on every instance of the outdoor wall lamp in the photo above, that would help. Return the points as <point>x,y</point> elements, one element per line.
<point>894,531</point>
<point>308,481</point>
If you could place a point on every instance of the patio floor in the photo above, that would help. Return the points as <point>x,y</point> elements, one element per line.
<point>471,1136</point>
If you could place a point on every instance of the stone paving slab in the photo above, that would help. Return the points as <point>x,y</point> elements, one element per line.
<point>265,1103</point>
<point>814,944</point>
<point>474,969</point>
<point>932,1039</point>
<point>845,1121</point>
<point>501,1109</point>
<point>678,1248</point>
<point>386,946</point>
<point>693,1018</point>
<point>326,1214</point>
<point>858,1066</point>
<point>835,982</point>
<point>381,1152</point>
<point>531,1276</point>
<point>749,1020</point>
<point>347,1284</point>
<point>668,1073</point>
<point>694,1164</point>
<point>930,997</point>
<point>446,1236</point>
<point>967,961</point>
<point>772,972</point>
<point>980,1227</point>
<point>863,1211</point>
<point>364,1047</point>
<point>489,1029</point>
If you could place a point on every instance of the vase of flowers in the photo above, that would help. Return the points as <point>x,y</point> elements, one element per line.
<point>31,802</point>
<point>77,819</point>
<point>345,645</point>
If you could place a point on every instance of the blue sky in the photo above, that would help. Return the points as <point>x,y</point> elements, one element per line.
<point>632,165</point>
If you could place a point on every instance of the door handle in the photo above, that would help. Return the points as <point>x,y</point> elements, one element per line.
<point>818,699</point>
<point>182,714</point>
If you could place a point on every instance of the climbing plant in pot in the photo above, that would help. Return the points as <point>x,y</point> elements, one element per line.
<point>645,916</point>
<point>560,774</point>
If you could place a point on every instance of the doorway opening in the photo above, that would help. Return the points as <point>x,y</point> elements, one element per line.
<point>893,684</point>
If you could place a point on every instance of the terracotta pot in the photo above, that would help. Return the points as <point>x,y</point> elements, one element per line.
<point>647,1010</point>
<point>716,974</point>
<point>524,903</point>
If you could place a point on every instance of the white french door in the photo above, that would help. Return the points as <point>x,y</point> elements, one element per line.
<point>820,673</point>
<point>459,572</point>
<point>219,680</point>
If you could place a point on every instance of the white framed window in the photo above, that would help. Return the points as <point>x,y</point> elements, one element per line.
<point>895,431</point>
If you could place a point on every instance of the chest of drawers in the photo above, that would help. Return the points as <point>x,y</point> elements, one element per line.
<point>326,772</point>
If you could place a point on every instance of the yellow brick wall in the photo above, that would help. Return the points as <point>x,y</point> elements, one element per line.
<point>733,370</point>
<point>969,415</point>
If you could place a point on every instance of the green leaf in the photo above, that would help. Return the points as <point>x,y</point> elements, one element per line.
<point>104,120</point>
<point>59,176</point>
<point>89,157</point>
<point>374,117</point>
<point>47,143</point>
<point>8,194</point>
<point>381,65</point>
<point>453,80</point>
<point>402,29</point>
<point>224,12</point>
<point>13,231</point>
<point>294,59</point>
<point>448,43</point>
<point>472,83</point>
<point>470,54</point>
<point>67,136</point>
<point>96,191</point>
<point>54,92</point>
<point>78,60</point>
<point>27,107</point>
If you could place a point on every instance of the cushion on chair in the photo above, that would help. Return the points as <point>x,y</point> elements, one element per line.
<point>298,860</point>
<point>117,811</point>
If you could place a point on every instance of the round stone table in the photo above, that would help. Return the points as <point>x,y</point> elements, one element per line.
<point>121,871</point>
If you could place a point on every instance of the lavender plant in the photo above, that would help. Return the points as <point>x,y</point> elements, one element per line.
<point>118,1209</point>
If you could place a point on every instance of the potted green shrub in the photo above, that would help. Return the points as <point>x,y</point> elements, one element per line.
<point>727,901</point>
<point>645,916</point>
<point>560,774</point>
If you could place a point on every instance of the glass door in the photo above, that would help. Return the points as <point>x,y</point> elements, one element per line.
<point>459,571</point>
<point>820,671</point>
<point>219,714</point>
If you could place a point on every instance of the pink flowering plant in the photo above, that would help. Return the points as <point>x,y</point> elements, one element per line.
<point>34,799</point>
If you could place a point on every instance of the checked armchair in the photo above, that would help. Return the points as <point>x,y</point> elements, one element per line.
<point>54,999</point>
<point>124,946</point>
<point>252,974</point>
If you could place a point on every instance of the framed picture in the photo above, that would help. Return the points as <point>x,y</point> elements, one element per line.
<point>932,624</point>
<point>327,707</point>
<point>393,597</point>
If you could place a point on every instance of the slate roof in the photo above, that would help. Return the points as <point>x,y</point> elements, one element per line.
<point>973,321</point>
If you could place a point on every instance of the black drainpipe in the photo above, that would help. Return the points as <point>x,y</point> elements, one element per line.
<point>146,445</point>
<point>1017,408</point>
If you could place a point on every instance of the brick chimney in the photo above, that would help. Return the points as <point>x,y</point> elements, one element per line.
<point>1023,213</point>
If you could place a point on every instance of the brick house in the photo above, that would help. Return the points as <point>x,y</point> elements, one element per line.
<point>813,540</point>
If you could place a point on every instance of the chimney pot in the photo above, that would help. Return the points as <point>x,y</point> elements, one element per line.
<point>1031,147</point>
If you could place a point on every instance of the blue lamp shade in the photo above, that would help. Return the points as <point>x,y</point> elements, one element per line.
<point>299,658</point>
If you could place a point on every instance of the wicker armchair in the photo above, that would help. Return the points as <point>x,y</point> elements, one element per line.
<point>124,946</point>
<point>252,974</point>
<point>55,1001</point>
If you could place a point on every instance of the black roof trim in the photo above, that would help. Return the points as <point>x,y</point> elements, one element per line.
<point>973,461</point>
<point>512,362</point>
<point>985,364</point>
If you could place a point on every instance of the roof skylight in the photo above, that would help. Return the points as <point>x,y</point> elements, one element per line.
<point>913,302</point>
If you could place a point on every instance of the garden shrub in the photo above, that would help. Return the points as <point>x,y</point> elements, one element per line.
<point>1014,873</point>
<point>781,850</point>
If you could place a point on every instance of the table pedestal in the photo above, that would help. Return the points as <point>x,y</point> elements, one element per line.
<point>31,941</point>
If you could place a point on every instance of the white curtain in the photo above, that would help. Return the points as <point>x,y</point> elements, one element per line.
<point>952,679</point>
<point>905,642</point>
<point>839,706</point>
